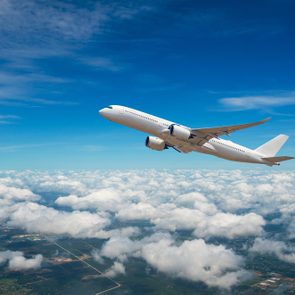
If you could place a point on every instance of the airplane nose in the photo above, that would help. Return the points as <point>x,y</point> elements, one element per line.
<point>102,111</point>
<point>105,112</point>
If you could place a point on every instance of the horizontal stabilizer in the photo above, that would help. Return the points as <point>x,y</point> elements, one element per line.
<point>270,148</point>
<point>278,159</point>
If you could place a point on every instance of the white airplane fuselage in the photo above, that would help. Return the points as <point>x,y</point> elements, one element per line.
<point>158,127</point>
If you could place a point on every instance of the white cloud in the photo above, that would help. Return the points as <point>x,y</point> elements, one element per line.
<point>205,221</point>
<point>109,199</point>
<point>192,260</point>
<point>197,261</point>
<point>104,199</point>
<point>119,248</point>
<point>198,201</point>
<point>16,194</point>
<point>58,183</point>
<point>17,261</point>
<point>138,211</point>
<point>116,269</point>
<point>257,102</point>
<point>278,248</point>
<point>38,218</point>
<point>172,218</point>
<point>122,247</point>
<point>230,225</point>
<point>9,195</point>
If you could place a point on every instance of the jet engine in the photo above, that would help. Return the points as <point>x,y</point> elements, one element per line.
<point>179,132</point>
<point>155,143</point>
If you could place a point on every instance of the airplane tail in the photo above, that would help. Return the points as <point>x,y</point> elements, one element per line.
<point>270,148</point>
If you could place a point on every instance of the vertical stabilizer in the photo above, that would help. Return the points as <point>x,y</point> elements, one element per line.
<point>270,148</point>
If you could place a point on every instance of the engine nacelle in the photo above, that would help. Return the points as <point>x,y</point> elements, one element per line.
<point>179,132</point>
<point>155,143</point>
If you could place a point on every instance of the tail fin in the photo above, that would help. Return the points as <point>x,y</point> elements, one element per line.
<point>270,148</point>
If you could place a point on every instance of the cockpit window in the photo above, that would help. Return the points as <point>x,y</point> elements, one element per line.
<point>110,107</point>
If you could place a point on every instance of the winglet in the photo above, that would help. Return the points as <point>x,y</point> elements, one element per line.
<point>265,120</point>
<point>257,123</point>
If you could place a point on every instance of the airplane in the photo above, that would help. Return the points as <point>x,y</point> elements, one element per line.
<point>167,134</point>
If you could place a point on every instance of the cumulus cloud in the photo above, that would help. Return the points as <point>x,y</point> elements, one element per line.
<point>197,261</point>
<point>38,218</point>
<point>119,248</point>
<point>104,199</point>
<point>198,201</point>
<point>278,248</point>
<point>17,261</point>
<point>230,225</point>
<point>116,269</point>
<point>21,263</point>
<point>204,223</point>
<point>193,260</point>
<point>11,193</point>
<point>137,211</point>
<point>58,183</point>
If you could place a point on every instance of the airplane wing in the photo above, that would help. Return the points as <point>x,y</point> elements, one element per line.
<point>202,135</point>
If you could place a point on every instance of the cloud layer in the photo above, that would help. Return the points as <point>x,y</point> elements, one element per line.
<point>113,205</point>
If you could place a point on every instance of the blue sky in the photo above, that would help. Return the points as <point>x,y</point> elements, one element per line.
<point>199,63</point>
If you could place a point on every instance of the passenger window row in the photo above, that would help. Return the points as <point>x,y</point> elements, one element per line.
<point>232,147</point>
